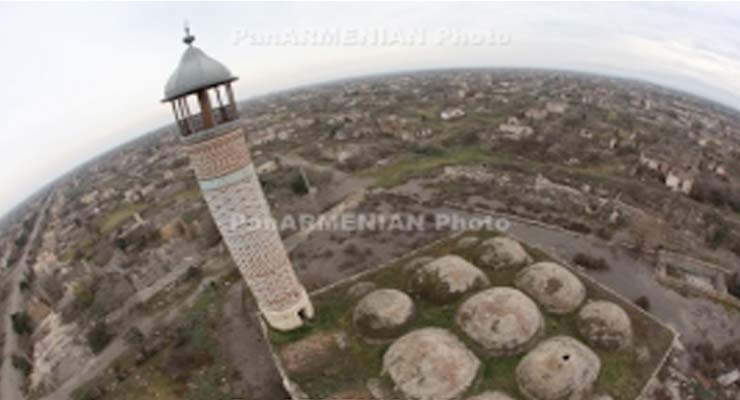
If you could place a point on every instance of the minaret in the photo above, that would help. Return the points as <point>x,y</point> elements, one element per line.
<point>203,103</point>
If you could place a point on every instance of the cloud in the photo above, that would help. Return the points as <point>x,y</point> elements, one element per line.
<point>79,79</point>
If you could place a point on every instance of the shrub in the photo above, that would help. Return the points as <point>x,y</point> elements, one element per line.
<point>661,393</point>
<point>209,231</point>
<point>298,185</point>
<point>21,240</point>
<point>22,324</point>
<point>93,393</point>
<point>591,262</point>
<point>717,235</point>
<point>733,285</point>
<point>577,226</point>
<point>83,300</point>
<point>351,250</point>
<point>21,363</point>
<point>52,287</point>
<point>98,337</point>
<point>643,302</point>
<point>359,162</point>
<point>134,337</point>
<point>736,247</point>
<point>605,233</point>
<point>470,138</point>
<point>193,273</point>
<point>429,150</point>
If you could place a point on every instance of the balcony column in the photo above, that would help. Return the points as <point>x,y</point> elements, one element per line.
<point>232,102</point>
<point>224,117</point>
<point>178,118</point>
<point>185,111</point>
<point>205,108</point>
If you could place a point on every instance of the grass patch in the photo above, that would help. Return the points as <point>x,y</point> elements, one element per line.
<point>109,222</point>
<point>415,165</point>
<point>82,249</point>
<point>498,374</point>
<point>114,219</point>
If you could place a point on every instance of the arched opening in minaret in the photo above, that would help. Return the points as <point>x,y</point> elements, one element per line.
<point>204,108</point>
<point>303,315</point>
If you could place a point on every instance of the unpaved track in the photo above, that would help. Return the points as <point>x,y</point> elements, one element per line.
<point>10,378</point>
<point>243,341</point>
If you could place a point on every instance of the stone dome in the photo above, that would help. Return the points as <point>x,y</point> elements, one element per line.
<point>430,364</point>
<point>417,262</point>
<point>605,325</point>
<point>502,252</point>
<point>491,396</point>
<point>195,71</point>
<point>502,320</point>
<point>360,289</point>
<point>555,288</point>
<point>560,368</point>
<point>383,313</point>
<point>467,242</point>
<point>446,279</point>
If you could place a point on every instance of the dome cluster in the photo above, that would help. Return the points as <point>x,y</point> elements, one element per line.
<point>433,363</point>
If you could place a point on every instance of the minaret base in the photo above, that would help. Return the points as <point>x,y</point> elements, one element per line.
<point>293,317</point>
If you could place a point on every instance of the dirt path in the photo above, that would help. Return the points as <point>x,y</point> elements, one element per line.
<point>242,340</point>
<point>143,295</point>
<point>10,378</point>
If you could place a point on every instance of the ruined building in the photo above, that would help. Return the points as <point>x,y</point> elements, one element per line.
<point>202,101</point>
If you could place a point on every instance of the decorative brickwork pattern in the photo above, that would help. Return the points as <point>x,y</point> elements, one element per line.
<point>256,248</point>
<point>220,155</point>
<point>234,196</point>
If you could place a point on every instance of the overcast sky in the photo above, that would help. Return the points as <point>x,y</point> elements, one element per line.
<point>82,78</point>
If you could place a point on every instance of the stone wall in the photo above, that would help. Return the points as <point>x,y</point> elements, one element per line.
<point>695,272</point>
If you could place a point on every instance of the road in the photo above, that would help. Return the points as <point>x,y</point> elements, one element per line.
<point>697,319</point>
<point>143,295</point>
<point>11,379</point>
<point>243,342</point>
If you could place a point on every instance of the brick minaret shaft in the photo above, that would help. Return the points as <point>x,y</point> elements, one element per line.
<point>215,143</point>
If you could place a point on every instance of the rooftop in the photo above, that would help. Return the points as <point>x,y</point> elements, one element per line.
<point>196,71</point>
<point>338,359</point>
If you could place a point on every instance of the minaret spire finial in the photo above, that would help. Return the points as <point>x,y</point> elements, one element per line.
<point>189,38</point>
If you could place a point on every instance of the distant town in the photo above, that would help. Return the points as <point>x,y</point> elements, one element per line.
<point>127,290</point>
